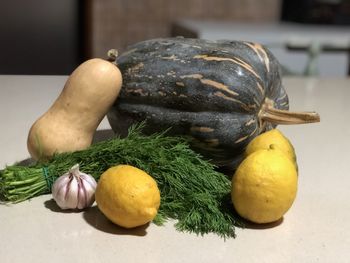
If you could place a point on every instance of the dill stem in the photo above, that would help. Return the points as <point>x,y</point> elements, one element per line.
<point>27,181</point>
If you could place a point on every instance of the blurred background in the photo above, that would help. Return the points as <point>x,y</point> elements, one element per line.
<point>309,37</point>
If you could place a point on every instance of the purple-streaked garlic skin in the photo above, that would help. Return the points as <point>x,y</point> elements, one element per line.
<point>74,189</point>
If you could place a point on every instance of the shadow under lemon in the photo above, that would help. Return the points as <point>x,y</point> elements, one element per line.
<point>251,225</point>
<point>94,217</point>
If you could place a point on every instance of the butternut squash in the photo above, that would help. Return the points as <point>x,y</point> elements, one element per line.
<point>70,123</point>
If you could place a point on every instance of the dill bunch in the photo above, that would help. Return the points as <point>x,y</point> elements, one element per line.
<point>192,191</point>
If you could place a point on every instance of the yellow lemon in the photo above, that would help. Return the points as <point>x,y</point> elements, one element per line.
<point>127,196</point>
<point>264,186</point>
<point>274,136</point>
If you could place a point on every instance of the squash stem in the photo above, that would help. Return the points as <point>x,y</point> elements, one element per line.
<point>275,116</point>
<point>112,55</point>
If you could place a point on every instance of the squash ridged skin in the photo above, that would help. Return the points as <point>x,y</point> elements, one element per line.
<point>211,91</point>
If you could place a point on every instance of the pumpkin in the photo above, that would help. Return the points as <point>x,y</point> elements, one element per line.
<point>70,123</point>
<point>221,94</point>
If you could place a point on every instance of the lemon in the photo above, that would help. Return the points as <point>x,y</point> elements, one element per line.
<point>264,186</point>
<point>127,196</point>
<point>276,137</point>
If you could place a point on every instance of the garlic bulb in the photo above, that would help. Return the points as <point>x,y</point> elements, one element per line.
<point>74,189</point>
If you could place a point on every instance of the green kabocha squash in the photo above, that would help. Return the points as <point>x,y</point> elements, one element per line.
<point>220,93</point>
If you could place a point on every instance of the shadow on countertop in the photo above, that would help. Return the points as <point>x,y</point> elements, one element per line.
<point>250,225</point>
<point>94,217</point>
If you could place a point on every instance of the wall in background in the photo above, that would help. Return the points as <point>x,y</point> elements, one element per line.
<point>40,36</point>
<point>54,37</point>
<point>119,23</point>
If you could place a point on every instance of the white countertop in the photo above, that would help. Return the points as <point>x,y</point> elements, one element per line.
<point>315,229</point>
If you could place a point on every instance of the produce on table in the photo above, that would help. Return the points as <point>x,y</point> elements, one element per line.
<point>275,137</point>
<point>264,185</point>
<point>127,196</point>
<point>74,189</point>
<point>222,94</point>
<point>192,191</point>
<point>72,120</point>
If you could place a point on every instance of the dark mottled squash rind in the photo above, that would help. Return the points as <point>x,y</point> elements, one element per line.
<point>211,91</point>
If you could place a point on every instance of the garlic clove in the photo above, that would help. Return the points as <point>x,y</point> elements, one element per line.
<point>58,185</point>
<point>71,197</point>
<point>84,196</point>
<point>89,179</point>
<point>59,197</point>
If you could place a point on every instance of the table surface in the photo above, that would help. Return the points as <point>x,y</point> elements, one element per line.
<point>315,229</point>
